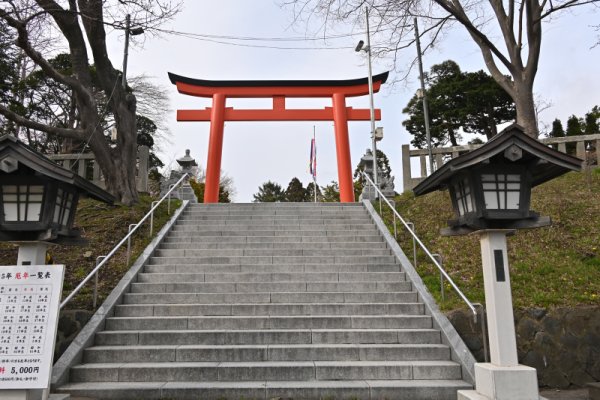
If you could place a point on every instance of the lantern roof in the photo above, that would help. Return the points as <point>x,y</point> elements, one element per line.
<point>187,160</point>
<point>13,152</point>
<point>544,163</point>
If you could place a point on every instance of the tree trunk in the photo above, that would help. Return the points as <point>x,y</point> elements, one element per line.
<point>525,105</point>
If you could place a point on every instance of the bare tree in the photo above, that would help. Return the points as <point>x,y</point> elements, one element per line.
<point>507,32</point>
<point>82,25</point>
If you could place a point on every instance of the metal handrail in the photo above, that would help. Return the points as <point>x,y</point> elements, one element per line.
<point>416,238</point>
<point>124,240</point>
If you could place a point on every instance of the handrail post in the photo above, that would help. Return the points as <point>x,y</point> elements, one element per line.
<point>95,298</point>
<point>169,199</point>
<point>412,228</point>
<point>129,243</point>
<point>152,217</point>
<point>395,228</point>
<point>438,257</point>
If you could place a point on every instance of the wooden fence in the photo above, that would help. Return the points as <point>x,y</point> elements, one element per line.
<point>444,154</point>
<point>86,166</point>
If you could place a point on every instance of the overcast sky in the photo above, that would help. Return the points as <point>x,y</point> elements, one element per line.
<point>253,153</point>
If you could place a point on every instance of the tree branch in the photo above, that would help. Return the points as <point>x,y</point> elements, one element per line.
<point>24,43</point>
<point>458,12</point>
<point>64,132</point>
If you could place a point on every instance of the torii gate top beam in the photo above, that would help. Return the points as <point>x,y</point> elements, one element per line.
<point>286,88</point>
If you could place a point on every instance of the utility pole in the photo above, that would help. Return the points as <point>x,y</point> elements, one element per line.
<point>126,51</point>
<point>128,31</point>
<point>424,96</point>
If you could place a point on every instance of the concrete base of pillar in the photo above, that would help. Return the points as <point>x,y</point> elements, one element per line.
<point>502,383</point>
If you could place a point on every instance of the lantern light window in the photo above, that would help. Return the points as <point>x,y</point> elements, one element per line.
<point>63,207</point>
<point>22,202</point>
<point>464,197</point>
<point>501,191</point>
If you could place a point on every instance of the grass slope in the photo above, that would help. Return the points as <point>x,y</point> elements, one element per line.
<point>103,227</point>
<point>557,265</point>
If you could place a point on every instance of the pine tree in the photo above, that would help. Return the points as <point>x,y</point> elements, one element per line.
<point>295,191</point>
<point>269,192</point>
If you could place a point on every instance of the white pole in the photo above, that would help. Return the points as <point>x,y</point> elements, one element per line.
<point>372,107</point>
<point>498,298</point>
<point>314,171</point>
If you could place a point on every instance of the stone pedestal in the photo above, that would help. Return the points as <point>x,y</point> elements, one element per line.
<point>502,383</point>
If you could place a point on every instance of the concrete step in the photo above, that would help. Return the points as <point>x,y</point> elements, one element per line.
<point>270,221</point>
<point>268,268</point>
<point>245,322</point>
<point>262,371</point>
<point>271,352</point>
<point>183,237</point>
<point>265,390</point>
<point>289,286</point>
<point>208,216</point>
<point>269,336</point>
<point>341,246</point>
<point>269,297</point>
<point>272,277</point>
<point>270,252</point>
<point>267,309</point>
<point>247,228</point>
<point>244,260</point>
<point>264,309</point>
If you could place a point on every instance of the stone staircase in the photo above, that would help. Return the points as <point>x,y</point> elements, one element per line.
<point>264,301</point>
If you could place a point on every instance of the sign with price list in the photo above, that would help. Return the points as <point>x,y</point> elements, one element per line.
<point>29,305</point>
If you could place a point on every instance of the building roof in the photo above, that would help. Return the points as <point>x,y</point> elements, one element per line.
<point>10,146</point>
<point>544,162</point>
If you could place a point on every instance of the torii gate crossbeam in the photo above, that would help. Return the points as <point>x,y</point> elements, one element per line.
<point>219,91</point>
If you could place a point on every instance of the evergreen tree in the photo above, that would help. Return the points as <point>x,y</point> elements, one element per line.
<point>295,191</point>
<point>557,131</point>
<point>310,191</point>
<point>472,101</point>
<point>331,193</point>
<point>574,128</point>
<point>269,192</point>
<point>591,121</point>
<point>199,187</point>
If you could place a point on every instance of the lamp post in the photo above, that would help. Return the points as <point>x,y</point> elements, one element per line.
<point>367,49</point>
<point>490,189</point>
<point>128,31</point>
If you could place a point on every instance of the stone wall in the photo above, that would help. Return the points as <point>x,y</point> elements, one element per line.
<point>563,344</point>
<point>70,322</point>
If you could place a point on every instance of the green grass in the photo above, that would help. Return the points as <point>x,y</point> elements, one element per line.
<point>553,266</point>
<point>102,226</point>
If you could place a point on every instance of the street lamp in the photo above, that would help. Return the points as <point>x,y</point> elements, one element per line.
<point>367,49</point>
<point>490,188</point>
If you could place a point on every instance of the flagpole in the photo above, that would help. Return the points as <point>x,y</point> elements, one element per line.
<point>314,173</point>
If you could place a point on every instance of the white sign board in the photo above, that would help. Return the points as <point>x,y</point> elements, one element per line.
<point>29,302</point>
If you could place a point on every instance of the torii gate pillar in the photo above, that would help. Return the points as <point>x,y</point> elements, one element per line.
<point>219,91</point>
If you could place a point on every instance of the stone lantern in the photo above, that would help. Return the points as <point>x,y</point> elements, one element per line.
<point>187,163</point>
<point>386,185</point>
<point>490,189</point>
<point>38,199</point>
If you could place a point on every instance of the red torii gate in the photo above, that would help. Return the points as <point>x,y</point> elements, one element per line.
<point>219,91</point>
